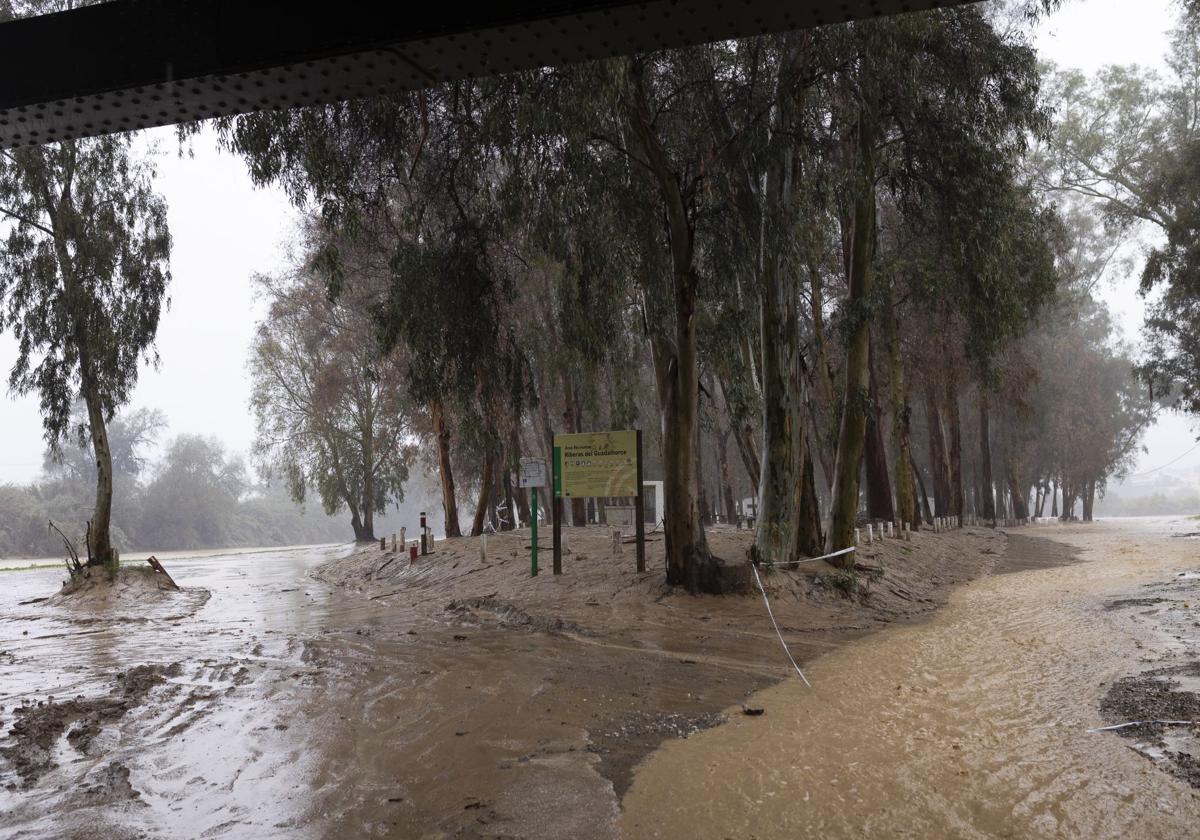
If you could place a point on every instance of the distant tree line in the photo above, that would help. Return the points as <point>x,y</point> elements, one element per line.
<point>195,496</point>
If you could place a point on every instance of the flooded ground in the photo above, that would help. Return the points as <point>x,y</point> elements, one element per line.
<point>972,724</point>
<point>458,697</point>
<point>454,697</point>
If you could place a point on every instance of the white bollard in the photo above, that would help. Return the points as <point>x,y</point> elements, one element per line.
<point>857,536</point>
<point>483,548</point>
<point>870,533</point>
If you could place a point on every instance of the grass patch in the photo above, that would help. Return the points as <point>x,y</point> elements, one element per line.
<point>31,567</point>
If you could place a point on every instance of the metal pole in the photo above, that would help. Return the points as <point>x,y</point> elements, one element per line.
<point>533,556</point>
<point>556,505</point>
<point>639,513</point>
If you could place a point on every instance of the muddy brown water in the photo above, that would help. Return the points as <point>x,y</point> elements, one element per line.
<point>972,724</point>
<point>224,717</point>
<point>289,708</point>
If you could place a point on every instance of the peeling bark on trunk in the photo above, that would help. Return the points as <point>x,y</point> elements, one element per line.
<point>844,506</point>
<point>449,502</point>
<point>100,551</point>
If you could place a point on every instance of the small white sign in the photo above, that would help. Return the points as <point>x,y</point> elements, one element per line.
<point>533,472</point>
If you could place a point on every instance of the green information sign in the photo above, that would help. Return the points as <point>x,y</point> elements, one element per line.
<point>596,464</point>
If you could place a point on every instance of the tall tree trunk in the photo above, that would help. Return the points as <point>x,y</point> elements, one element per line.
<point>357,525</point>
<point>573,423</point>
<point>985,457</point>
<point>441,431</point>
<point>1054,500</point>
<point>922,495</point>
<point>100,549</point>
<point>728,506</point>
<point>743,437</point>
<point>1017,492</point>
<point>517,495</point>
<point>485,494</point>
<point>955,424</point>
<point>701,486</point>
<point>853,428</point>
<point>677,369</point>
<point>906,503</point>
<point>825,404</point>
<point>368,502</point>
<point>1089,501</point>
<point>879,482</point>
<point>939,470</point>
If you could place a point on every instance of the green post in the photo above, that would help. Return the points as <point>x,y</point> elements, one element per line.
<point>535,519</point>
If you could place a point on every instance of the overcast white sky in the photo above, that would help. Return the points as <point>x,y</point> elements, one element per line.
<point>225,231</point>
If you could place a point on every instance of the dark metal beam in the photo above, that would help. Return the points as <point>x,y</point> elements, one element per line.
<point>131,64</point>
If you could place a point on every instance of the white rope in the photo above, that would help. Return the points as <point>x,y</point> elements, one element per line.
<point>810,559</point>
<point>1143,723</point>
<point>776,624</point>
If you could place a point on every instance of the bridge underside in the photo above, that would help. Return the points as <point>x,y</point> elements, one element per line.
<point>131,64</point>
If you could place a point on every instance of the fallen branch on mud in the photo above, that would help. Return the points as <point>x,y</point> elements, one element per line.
<point>74,567</point>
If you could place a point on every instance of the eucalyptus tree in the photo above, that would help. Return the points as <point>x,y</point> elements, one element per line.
<point>331,411</point>
<point>414,176</point>
<point>758,110</point>
<point>83,279</point>
<point>1128,139</point>
<point>940,104</point>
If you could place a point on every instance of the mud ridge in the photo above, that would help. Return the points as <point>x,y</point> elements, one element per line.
<point>512,616</point>
<point>38,727</point>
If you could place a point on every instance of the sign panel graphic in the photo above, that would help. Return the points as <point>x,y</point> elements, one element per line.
<point>595,464</point>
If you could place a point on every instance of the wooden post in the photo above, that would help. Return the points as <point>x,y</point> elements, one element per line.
<point>639,513</point>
